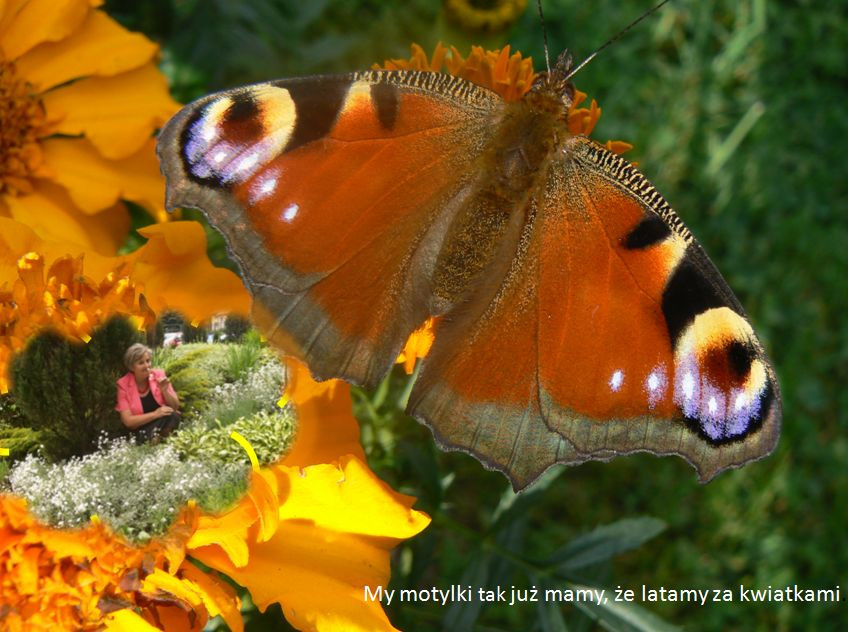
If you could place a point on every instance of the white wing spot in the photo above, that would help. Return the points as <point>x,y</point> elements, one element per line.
<point>616,380</point>
<point>712,405</point>
<point>741,400</point>
<point>688,385</point>
<point>653,382</point>
<point>219,157</point>
<point>247,163</point>
<point>291,212</point>
<point>268,186</point>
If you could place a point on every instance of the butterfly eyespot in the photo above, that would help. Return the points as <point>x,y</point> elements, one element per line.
<point>720,382</point>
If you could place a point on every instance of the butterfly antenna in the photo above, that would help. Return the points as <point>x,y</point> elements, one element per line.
<point>544,36</point>
<point>613,39</point>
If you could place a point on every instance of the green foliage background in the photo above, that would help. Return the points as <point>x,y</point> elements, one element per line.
<point>736,110</point>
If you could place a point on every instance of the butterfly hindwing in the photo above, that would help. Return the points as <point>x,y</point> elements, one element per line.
<point>611,333</point>
<point>664,360</point>
<point>325,184</point>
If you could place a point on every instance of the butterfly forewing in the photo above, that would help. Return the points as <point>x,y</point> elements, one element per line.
<point>333,194</point>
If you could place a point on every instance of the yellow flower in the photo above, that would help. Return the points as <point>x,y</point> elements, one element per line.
<point>491,15</point>
<point>82,290</point>
<point>311,533</point>
<point>80,97</point>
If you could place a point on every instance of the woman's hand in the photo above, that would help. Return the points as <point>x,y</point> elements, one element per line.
<point>164,411</point>
<point>164,381</point>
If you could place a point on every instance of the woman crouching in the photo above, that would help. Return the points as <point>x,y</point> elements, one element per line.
<point>147,401</point>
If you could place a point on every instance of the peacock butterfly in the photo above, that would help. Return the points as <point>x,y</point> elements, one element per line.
<point>579,318</point>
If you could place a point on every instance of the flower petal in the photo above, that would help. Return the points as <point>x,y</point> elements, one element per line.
<point>178,275</point>
<point>39,21</point>
<point>95,183</point>
<point>50,212</point>
<point>100,46</point>
<point>326,427</point>
<point>117,114</point>
<point>127,621</point>
<point>218,596</point>
<point>371,507</point>
<point>318,577</point>
<point>337,526</point>
<point>18,238</point>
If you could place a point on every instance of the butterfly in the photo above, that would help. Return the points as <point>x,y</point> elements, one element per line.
<point>578,318</point>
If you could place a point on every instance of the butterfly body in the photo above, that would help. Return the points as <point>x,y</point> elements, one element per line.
<point>579,318</point>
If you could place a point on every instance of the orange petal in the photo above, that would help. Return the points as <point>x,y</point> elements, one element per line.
<point>100,46</point>
<point>49,211</point>
<point>95,183</point>
<point>178,275</point>
<point>326,428</point>
<point>117,114</point>
<point>39,21</point>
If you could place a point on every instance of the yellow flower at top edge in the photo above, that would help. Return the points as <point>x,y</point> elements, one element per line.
<point>80,97</point>
<point>311,533</point>
<point>493,15</point>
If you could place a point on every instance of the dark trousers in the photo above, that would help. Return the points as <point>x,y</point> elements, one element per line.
<point>162,427</point>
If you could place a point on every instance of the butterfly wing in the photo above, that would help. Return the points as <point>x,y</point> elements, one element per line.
<point>333,194</point>
<point>612,333</point>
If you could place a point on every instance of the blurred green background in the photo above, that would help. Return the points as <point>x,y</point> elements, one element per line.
<point>737,112</point>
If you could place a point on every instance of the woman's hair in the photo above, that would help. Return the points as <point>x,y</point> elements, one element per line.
<point>135,353</point>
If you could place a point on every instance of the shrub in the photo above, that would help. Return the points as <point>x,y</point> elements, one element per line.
<point>10,411</point>
<point>192,385</point>
<point>269,433</point>
<point>259,390</point>
<point>241,359</point>
<point>19,441</point>
<point>67,390</point>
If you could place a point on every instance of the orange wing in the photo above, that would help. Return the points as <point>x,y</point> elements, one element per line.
<point>611,333</point>
<point>334,194</point>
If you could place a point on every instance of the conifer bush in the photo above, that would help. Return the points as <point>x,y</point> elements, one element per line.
<point>67,390</point>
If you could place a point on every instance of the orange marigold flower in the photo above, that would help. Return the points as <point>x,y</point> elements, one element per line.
<point>417,345</point>
<point>73,580</point>
<point>81,290</point>
<point>313,529</point>
<point>80,97</point>
<point>511,76</point>
<point>64,300</point>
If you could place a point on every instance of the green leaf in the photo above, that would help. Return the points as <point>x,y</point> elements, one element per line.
<point>463,616</point>
<point>605,542</point>
<point>620,616</point>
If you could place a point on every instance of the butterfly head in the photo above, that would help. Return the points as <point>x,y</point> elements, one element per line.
<point>556,83</point>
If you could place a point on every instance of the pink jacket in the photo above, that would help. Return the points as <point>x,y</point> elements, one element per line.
<point>128,397</point>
